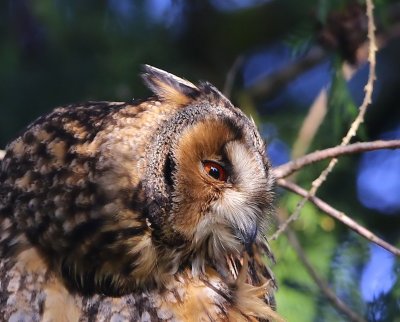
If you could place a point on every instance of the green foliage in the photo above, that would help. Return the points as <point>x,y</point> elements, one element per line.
<point>297,291</point>
<point>301,39</point>
<point>294,305</point>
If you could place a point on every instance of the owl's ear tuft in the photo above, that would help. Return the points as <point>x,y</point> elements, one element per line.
<point>169,87</point>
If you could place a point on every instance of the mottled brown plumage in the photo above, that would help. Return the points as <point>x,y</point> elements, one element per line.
<point>151,210</point>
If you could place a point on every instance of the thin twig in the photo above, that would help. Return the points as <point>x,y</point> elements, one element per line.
<point>311,124</point>
<point>329,210</point>
<point>275,81</point>
<point>231,76</point>
<point>321,283</point>
<point>371,77</point>
<point>288,168</point>
<point>354,126</point>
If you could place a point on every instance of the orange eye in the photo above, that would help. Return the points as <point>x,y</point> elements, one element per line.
<point>215,170</point>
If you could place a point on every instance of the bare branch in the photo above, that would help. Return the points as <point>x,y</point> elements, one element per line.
<point>288,168</point>
<point>371,76</point>
<point>329,210</point>
<point>357,122</point>
<point>315,116</point>
<point>231,76</point>
<point>277,80</point>
<point>321,283</point>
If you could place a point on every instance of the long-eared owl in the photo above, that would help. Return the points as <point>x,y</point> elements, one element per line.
<point>153,210</point>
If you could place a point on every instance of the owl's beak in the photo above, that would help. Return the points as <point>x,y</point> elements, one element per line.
<point>248,236</point>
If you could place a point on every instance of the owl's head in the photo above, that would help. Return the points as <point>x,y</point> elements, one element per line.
<point>208,181</point>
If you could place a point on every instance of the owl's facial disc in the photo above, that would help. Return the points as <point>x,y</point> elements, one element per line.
<point>242,203</point>
<point>222,194</point>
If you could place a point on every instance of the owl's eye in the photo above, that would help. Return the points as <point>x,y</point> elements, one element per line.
<point>215,170</point>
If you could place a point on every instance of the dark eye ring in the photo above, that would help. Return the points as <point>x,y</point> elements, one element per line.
<point>215,170</point>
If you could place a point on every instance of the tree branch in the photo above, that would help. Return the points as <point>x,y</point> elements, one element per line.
<point>329,210</point>
<point>231,75</point>
<point>311,123</point>
<point>288,168</point>
<point>321,283</point>
<point>275,81</point>
<point>357,122</point>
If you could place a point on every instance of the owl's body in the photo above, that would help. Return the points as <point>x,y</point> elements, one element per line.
<point>154,210</point>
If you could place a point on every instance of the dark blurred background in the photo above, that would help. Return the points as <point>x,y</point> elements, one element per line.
<point>272,58</point>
